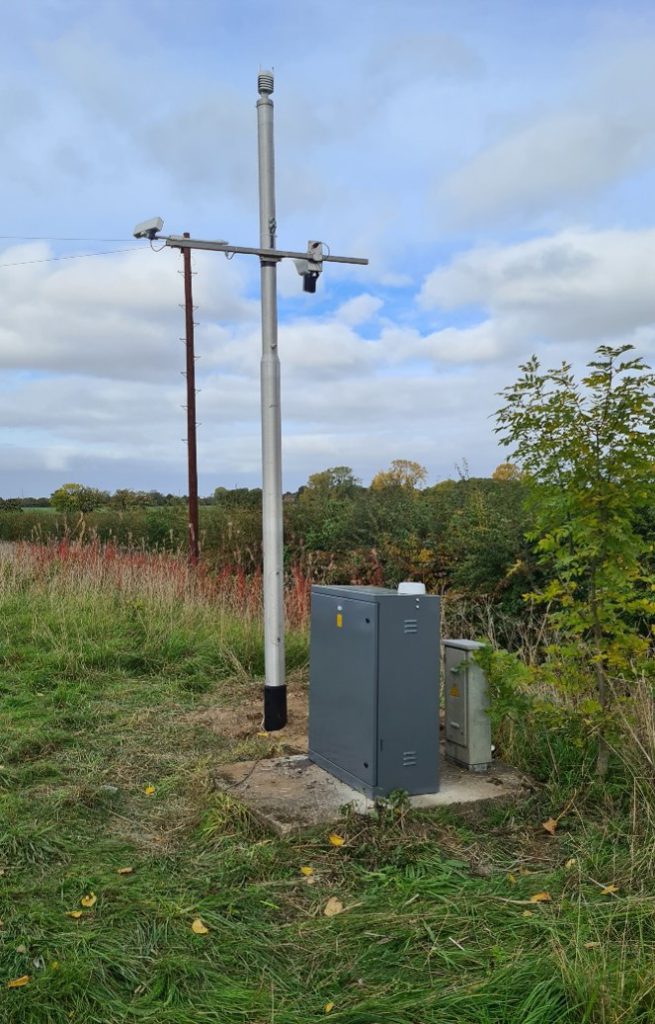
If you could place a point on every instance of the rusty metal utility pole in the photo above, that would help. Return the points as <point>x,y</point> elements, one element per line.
<point>194,550</point>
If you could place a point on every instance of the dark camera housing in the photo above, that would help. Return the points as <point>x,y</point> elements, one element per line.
<point>309,281</point>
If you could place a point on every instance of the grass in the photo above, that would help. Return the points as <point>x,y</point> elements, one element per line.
<point>106,666</point>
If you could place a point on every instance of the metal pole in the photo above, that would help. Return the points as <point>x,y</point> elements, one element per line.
<point>194,551</point>
<point>275,690</point>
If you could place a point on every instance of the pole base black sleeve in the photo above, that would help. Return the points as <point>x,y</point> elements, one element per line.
<point>275,708</point>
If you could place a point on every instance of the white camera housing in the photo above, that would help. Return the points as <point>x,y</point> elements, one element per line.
<point>149,228</point>
<point>310,268</point>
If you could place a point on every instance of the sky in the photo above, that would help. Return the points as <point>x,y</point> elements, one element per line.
<point>493,159</point>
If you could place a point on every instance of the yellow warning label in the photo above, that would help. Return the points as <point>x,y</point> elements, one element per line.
<point>454,692</point>
<point>339,620</point>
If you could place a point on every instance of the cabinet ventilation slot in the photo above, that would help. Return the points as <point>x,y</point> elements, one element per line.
<point>411,626</point>
<point>409,758</point>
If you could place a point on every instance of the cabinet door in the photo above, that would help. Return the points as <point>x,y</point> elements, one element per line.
<point>456,687</point>
<point>343,684</point>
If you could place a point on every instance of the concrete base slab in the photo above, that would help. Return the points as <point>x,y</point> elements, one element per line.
<point>291,793</point>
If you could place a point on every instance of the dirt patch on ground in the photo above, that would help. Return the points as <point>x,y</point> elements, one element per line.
<point>244,722</point>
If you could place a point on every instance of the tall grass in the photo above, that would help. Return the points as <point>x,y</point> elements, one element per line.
<point>96,607</point>
<point>78,567</point>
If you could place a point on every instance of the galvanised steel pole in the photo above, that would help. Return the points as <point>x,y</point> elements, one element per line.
<point>194,543</point>
<point>275,690</point>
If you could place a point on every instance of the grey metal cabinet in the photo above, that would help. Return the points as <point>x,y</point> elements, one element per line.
<point>468,727</point>
<point>374,688</point>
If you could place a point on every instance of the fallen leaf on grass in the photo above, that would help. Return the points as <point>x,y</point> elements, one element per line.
<point>307,871</point>
<point>336,840</point>
<point>54,966</point>
<point>541,897</point>
<point>90,900</point>
<point>528,913</point>
<point>74,913</point>
<point>328,1008</point>
<point>124,871</point>
<point>609,890</point>
<point>262,735</point>
<point>591,945</point>
<point>21,949</point>
<point>199,928</point>
<point>19,982</point>
<point>511,878</point>
<point>333,907</point>
<point>550,825</point>
<point>524,871</point>
<point>571,862</point>
<point>149,790</point>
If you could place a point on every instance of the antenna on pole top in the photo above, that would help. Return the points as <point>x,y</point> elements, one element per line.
<point>265,83</point>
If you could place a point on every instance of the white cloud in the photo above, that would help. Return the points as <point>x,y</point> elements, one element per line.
<point>114,316</point>
<point>464,345</point>
<point>92,387</point>
<point>92,378</point>
<point>359,309</point>
<point>548,158</point>
<point>562,157</point>
<point>577,285</point>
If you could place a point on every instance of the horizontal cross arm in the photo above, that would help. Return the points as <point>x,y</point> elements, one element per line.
<point>272,254</point>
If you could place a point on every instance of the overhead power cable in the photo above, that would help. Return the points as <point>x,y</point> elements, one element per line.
<point>60,238</point>
<point>78,256</point>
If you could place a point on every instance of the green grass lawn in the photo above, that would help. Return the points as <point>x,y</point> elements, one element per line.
<point>101,693</point>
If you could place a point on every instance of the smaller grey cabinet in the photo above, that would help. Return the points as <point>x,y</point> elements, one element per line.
<point>468,728</point>
<point>374,688</point>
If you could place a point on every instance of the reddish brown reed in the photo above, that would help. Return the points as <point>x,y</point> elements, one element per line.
<point>159,576</point>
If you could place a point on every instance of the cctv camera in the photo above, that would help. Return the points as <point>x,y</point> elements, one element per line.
<point>309,274</point>
<point>310,268</point>
<point>149,229</point>
<point>309,281</point>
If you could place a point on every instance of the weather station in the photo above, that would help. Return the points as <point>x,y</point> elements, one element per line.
<point>309,264</point>
<point>375,653</point>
